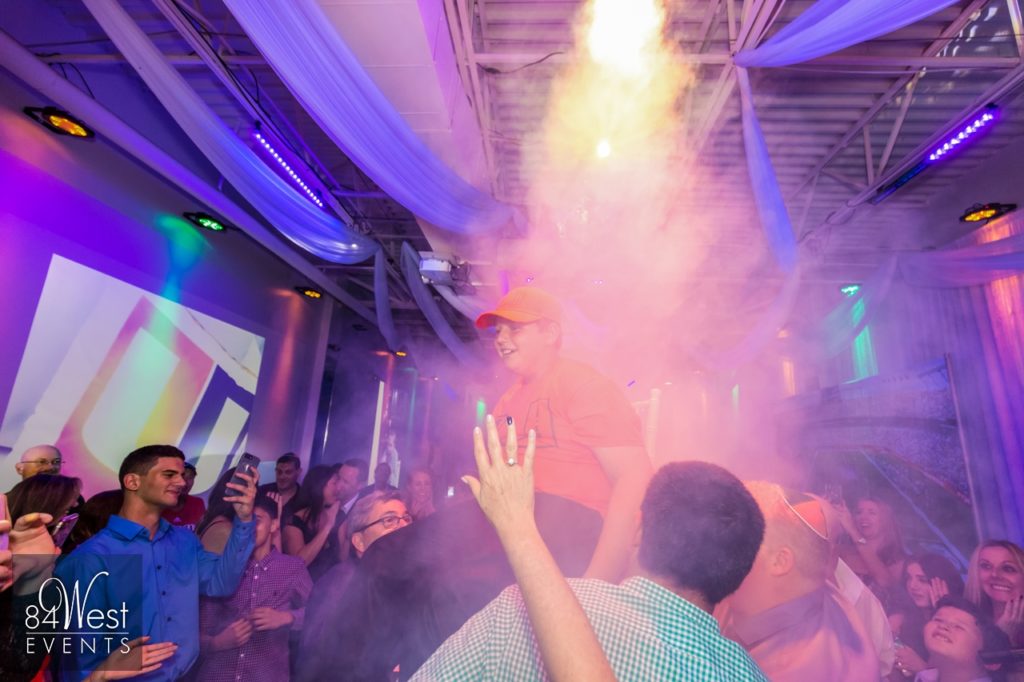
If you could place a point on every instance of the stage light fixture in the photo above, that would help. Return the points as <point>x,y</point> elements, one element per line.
<point>58,121</point>
<point>982,120</point>
<point>983,212</point>
<point>849,289</point>
<point>205,221</point>
<point>961,136</point>
<point>310,292</point>
<point>401,353</point>
<point>288,170</point>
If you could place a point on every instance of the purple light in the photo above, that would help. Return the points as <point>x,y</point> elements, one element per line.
<point>288,170</point>
<point>962,136</point>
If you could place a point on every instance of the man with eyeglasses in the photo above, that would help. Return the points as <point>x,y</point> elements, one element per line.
<point>39,459</point>
<point>372,517</point>
<point>375,516</point>
<point>786,614</point>
<point>590,446</point>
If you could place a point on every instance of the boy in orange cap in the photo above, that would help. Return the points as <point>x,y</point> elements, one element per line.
<point>589,440</point>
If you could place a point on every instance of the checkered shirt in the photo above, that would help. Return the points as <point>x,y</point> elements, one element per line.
<point>647,632</point>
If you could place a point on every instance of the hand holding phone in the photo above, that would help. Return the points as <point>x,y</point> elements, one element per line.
<point>63,529</point>
<point>5,536</point>
<point>241,492</point>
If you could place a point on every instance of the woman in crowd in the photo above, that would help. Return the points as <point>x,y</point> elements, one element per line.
<point>875,551</point>
<point>93,517</point>
<point>419,492</point>
<point>51,494</point>
<point>995,582</point>
<point>926,579</point>
<point>312,530</point>
<point>215,527</point>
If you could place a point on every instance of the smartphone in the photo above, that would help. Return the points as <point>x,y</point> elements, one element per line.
<point>63,529</point>
<point>248,464</point>
<point>4,537</point>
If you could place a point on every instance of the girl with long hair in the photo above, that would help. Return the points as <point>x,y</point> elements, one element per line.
<point>311,532</point>
<point>214,528</point>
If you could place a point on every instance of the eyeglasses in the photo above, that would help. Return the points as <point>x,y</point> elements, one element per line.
<point>389,522</point>
<point>45,462</point>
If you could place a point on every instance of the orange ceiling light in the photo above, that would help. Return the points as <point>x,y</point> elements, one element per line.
<point>983,212</point>
<point>59,121</point>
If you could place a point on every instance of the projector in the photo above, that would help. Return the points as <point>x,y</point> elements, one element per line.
<point>444,272</point>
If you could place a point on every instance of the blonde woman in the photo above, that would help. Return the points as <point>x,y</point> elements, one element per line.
<point>995,582</point>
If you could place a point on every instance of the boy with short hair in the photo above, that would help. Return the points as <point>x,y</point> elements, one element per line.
<point>245,636</point>
<point>955,637</point>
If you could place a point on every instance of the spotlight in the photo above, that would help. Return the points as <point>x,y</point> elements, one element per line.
<point>983,212</point>
<point>400,353</point>
<point>604,149</point>
<point>849,289</point>
<point>205,221</point>
<point>310,292</point>
<point>58,121</point>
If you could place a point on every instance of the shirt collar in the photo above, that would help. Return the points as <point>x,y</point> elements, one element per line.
<point>669,611</point>
<point>129,530</point>
<point>752,629</point>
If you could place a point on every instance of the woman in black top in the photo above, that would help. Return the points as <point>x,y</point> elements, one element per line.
<point>311,532</point>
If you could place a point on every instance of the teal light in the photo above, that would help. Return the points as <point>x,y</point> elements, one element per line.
<point>849,289</point>
<point>481,412</point>
<point>864,362</point>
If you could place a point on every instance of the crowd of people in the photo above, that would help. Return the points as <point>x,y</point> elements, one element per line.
<point>685,573</point>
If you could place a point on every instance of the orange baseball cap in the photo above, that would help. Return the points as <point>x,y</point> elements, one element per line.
<point>523,304</point>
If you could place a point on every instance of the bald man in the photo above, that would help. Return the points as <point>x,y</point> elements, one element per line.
<point>39,459</point>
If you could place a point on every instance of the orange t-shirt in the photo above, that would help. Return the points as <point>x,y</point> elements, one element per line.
<point>573,409</point>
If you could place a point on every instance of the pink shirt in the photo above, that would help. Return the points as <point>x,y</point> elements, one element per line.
<point>814,637</point>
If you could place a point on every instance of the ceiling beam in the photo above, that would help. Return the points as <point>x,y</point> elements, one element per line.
<point>516,59</point>
<point>944,39</point>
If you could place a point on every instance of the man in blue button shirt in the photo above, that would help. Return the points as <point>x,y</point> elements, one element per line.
<point>175,569</point>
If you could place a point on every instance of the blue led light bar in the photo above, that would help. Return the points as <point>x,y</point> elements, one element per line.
<point>288,169</point>
<point>962,135</point>
<point>955,141</point>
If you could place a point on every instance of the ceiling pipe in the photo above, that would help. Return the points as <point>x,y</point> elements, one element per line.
<point>40,77</point>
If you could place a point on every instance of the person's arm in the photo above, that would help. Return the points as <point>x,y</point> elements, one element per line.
<point>215,536</point>
<point>629,470</point>
<point>567,643</point>
<point>880,573</point>
<point>308,551</point>
<point>219,574</point>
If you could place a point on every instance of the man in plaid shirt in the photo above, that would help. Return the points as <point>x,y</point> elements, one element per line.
<point>701,530</point>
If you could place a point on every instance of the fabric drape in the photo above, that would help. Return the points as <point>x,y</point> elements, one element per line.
<point>430,309</point>
<point>828,26</point>
<point>292,214</point>
<point>300,43</point>
<point>767,196</point>
<point>965,266</point>
<point>382,301</point>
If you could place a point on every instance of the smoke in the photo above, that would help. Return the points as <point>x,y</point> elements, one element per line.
<point>616,231</point>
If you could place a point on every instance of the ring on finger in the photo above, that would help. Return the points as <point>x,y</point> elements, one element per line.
<point>511,461</point>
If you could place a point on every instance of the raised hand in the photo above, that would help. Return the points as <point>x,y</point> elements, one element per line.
<point>937,589</point>
<point>141,659</point>
<point>246,494</point>
<point>504,490</point>
<point>31,541</point>
<point>1012,617</point>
